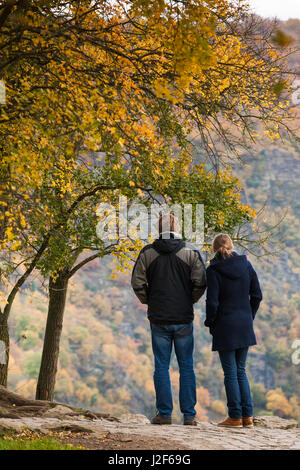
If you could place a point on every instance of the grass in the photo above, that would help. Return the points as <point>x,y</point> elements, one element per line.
<point>10,442</point>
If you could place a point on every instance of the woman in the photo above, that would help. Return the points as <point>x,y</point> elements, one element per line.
<point>233,298</point>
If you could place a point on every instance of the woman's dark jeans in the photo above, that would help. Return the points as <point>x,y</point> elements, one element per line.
<point>237,387</point>
<point>163,337</point>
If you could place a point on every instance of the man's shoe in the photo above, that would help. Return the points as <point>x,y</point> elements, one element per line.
<point>161,420</point>
<point>190,421</point>
<point>248,422</point>
<point>232,423</point>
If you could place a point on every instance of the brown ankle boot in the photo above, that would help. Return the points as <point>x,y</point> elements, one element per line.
<point>232,423</point>
<point>190,422</point>
<point>248,422</point>
<point>161,420</point>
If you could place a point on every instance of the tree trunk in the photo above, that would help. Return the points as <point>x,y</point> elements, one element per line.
<point>57,301</point>
<point>4,334</point>
<point>4,350</point>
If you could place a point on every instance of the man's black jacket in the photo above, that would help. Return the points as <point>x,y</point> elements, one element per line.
<point>169,275</point>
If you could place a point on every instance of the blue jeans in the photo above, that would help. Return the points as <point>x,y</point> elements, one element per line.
<point>236,383</point>
<point>163,337</point>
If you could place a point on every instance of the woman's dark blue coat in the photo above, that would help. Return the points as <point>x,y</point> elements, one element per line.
<point>233,298</point>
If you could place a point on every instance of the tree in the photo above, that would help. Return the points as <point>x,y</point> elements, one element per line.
<point>127,61</point>
<point>62,62</point>
<point>223,209</point>
<point>113,77</point>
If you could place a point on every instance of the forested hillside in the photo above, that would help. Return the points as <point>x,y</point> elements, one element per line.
<point>105,360</point>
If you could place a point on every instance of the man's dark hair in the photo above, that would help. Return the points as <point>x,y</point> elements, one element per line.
<point>163,222</point>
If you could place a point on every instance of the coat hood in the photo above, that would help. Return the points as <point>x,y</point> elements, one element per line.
<point>232,267</point>
<point>167,245</point>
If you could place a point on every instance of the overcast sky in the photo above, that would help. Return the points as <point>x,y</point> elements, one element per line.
<point>282,9</point>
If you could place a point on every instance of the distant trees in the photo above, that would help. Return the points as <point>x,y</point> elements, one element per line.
<point>89,375</point>
<point>278,403</point>
<point>219,407</point>
<point>68,246</point>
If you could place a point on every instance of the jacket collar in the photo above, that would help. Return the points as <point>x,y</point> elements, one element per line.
<point>167,235</point>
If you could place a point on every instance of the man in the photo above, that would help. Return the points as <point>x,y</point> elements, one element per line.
<point>169,276</point>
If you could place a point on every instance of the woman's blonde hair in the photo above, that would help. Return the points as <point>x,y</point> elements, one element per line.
<point>222,244</point>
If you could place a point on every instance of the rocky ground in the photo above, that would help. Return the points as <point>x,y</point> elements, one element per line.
<point>91,430</point>
<point>135,432</point>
